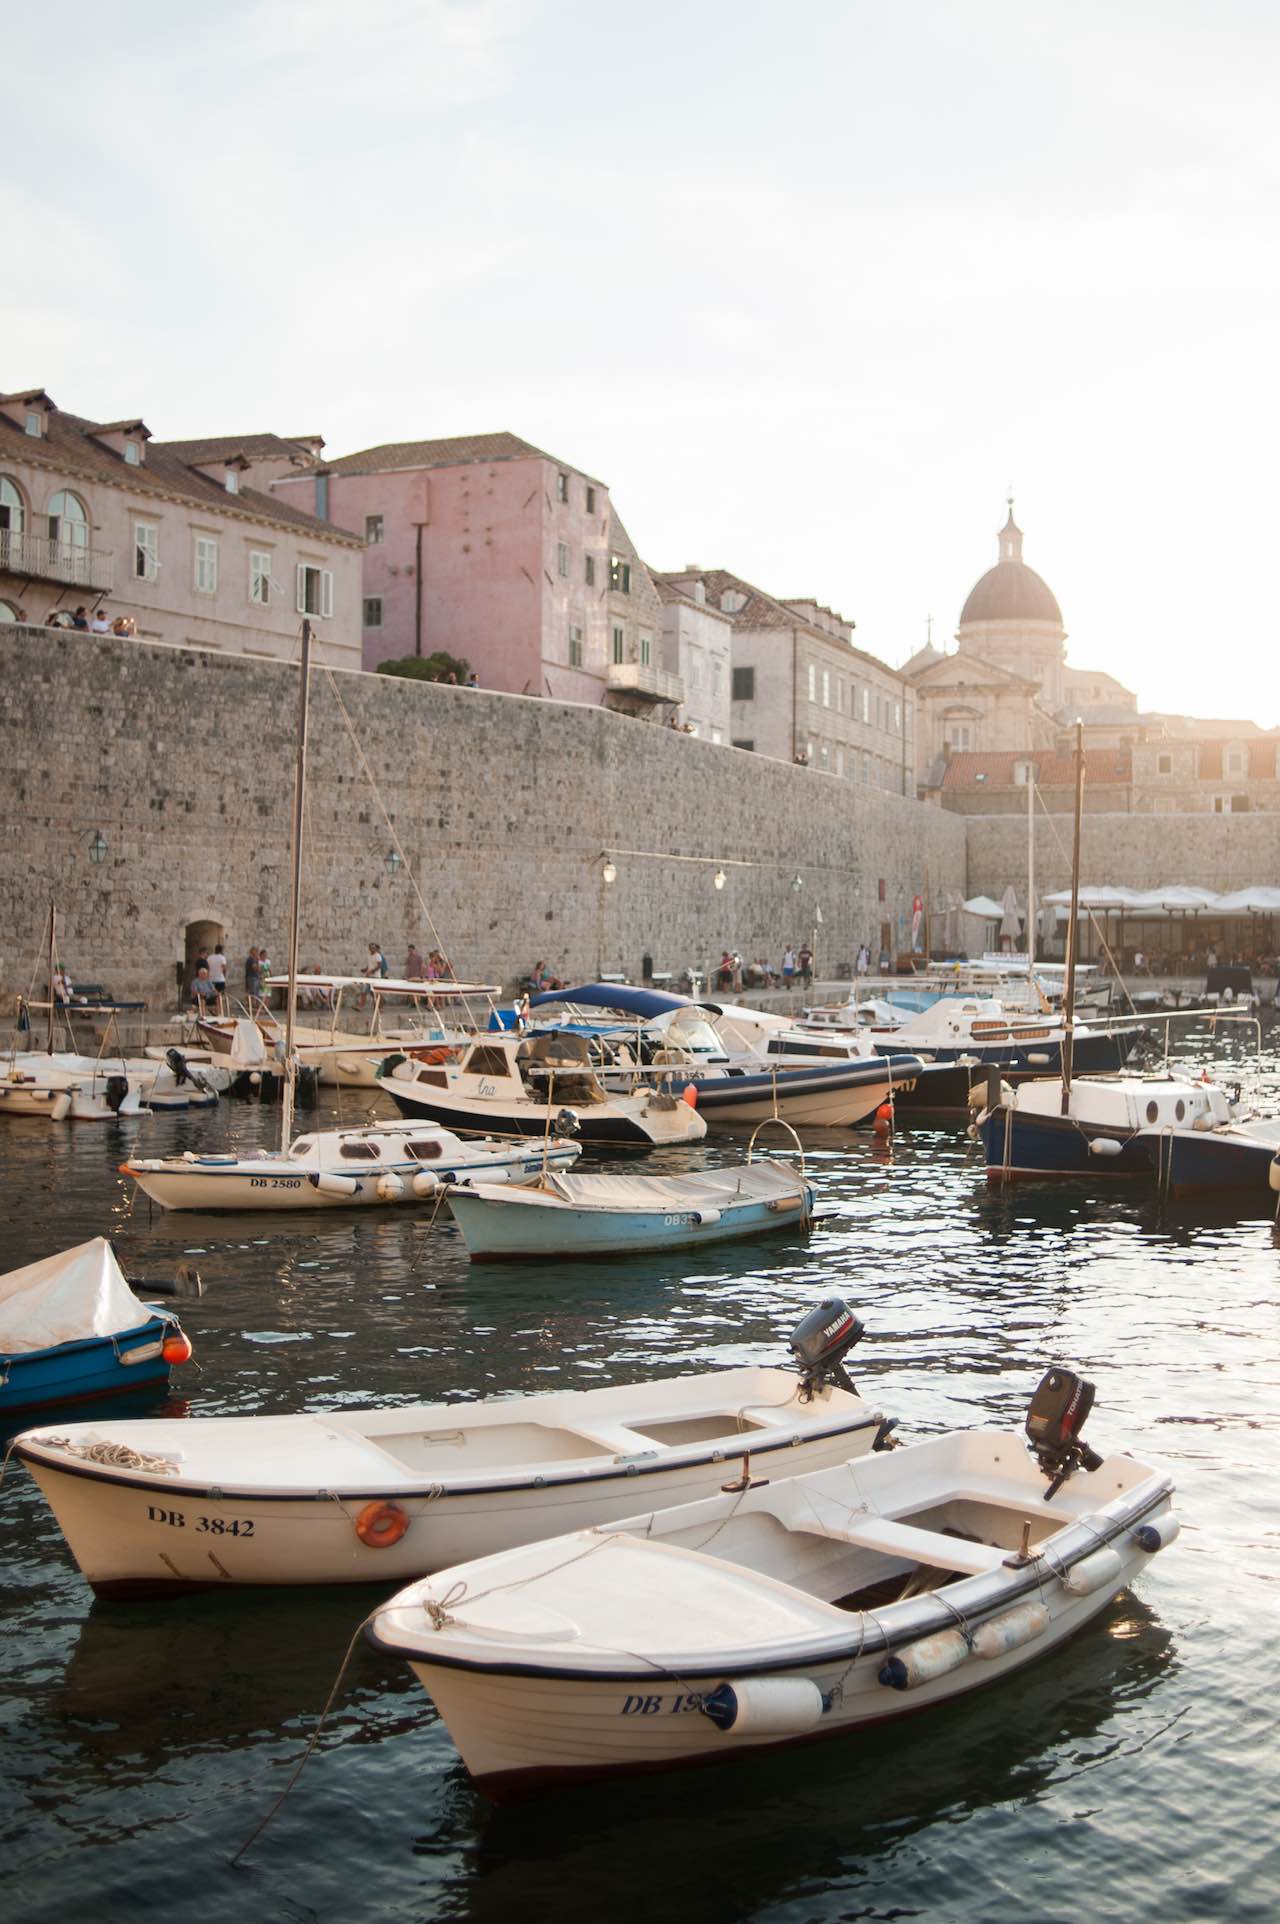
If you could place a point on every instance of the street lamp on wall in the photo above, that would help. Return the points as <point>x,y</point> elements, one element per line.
<point>798,882</point>
<point>719,878</point>
<point>608,874</point>
<point>98,848</point>
<point>393,862</point>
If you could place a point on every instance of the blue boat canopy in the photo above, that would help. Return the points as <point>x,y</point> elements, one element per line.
<point>645,1003</point>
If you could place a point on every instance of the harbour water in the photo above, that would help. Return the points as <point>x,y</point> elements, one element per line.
<point>1135,1774</point>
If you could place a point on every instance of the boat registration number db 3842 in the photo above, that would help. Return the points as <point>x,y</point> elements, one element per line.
<point>204,1526</point>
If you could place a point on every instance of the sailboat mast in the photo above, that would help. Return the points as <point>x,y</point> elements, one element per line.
<point>295,901</point>
<point>1031,865</point>
<point>53,963</point>
<point>1069,996</point>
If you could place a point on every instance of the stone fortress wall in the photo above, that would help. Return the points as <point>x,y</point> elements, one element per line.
<point>1219,852</point>
<point>181,760</point>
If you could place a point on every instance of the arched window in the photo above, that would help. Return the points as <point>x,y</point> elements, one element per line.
<point>13,516</point>
<point>7,611</point>
<point>68,520</point>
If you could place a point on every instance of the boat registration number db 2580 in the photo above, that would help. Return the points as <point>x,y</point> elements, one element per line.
<point>204,1526</point>
<point>275,1182</point>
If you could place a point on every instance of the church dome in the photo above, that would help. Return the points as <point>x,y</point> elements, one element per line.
<point>1011,591</point>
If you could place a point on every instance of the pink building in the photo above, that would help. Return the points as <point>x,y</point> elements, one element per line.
<point>177,537</point>
<point>494,551</point>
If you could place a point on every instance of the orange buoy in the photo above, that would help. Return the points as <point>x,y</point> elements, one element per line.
<point>379,1525</point>
<point>176,1347</point>
<point>690,1095</point>
<point>884,1119</point>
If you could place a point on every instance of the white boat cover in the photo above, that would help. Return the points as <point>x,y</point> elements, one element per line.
<point>248,1050</point>
<point>67,1298</point>
<point>710,1189</point>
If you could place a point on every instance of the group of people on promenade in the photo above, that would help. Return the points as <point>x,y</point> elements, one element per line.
<point>99,623</point>
<point>733,973</point>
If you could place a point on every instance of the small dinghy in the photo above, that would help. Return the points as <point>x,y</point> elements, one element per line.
<point>777,1612</point>
<point>71,1328</point>
<point>615,1214</point>
<point>389,1162</point>
<point>365,1496</point>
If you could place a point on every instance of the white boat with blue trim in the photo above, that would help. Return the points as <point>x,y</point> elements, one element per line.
<point>774,1613</point>
<point>620,1214</point>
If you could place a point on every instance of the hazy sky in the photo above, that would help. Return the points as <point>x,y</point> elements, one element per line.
<point>810,285</point>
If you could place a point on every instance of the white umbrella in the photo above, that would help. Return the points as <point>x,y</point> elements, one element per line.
<point>1010,919</point>
<point>984,907</point>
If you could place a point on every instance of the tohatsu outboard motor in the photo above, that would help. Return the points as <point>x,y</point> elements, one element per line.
<point>1058,1413</point>
<point>820,1342</point>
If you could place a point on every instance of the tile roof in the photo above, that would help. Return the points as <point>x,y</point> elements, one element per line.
<point>457,451</point>
<point>255,447</point>
<point>69,448</point>
<point>668,592</point>
<point>997,769</point>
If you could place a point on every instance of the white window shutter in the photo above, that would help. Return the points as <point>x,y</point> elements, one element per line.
<point>326,592</point>
<point>302,589</point>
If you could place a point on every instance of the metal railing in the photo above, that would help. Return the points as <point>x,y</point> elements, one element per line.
<point>640,678</point>
<point>38,557</point>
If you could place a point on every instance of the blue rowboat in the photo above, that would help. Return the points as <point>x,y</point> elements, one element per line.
<point>71,1329</point>
<point>617,1215</point>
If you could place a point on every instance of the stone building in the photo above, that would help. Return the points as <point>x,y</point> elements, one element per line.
<point>802,692</point>
<point>492,550</point>
<point>698,647</point>
<point>180,537</point>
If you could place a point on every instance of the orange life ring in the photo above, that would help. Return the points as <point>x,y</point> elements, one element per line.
<point>379,1525</point>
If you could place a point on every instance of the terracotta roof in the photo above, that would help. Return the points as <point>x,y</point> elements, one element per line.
<point>255,447</point>
<point>70,448</point>
<point>1011,592</point>
<point>668,592</point>
<point>997,770</point>
<point>458,451</point>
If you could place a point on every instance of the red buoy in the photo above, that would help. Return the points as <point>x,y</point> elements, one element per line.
<point>690,1095</point>
<point>884,1119</point>
<point>176,1347</point>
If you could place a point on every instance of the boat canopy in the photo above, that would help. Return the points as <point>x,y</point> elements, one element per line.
<point>645,1003</point>
<point>69,1298</point>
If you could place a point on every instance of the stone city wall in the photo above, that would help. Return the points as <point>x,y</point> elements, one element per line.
<point>181,761</point>
<point>1219,852</point>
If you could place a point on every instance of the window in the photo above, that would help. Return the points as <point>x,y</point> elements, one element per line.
<point>562,487</point>
<point>957,735</point>
<point>695,669</point>
<point>619,575</point>
<point>133,454</point>
<point>260,577</point>
<point>716,736</point>
<point>589,570</point>
<point>619,644</point>
<point>68,522</point>
<point>12,514</point>
<point>741,744</point>
<point>1235,762</point>
<point>1164,764</point>
<point>360,1151</point>
<point>35,425</point>
<point>866,704</point>
<point>562,559</point>
<point>315,590</point>
<point>146,551</point>
<point>233,481</point>
<point>744,684</point>
<point>826,688</point>
<point>880,891</point>
<point>813,682</point>
<point>823,756</point>
<point>373,531</point>
<point>206,565</point>
<point>7,611</point>
<point>372,616</point>
<point>839,761</point>
<point>840,694</point>
<point>575,646</point>
<point>646,649</point>
<point>591,500</point>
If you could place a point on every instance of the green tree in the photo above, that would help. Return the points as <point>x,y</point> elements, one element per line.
<point>437,667</point>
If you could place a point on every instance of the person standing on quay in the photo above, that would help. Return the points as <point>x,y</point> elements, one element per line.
<point>788,966</point>
<point>218,969</point>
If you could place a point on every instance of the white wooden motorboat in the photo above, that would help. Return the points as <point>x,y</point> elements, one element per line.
<point>621,1213</point>
<point>349,1057</point>
<point>99,1088</point>
<point>390,1162</point>
<point>357,1496</point>
<point>525,1085</point>
<point>778,1612</point>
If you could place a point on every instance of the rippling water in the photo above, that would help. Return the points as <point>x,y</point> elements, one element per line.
<point>1131,1775</point>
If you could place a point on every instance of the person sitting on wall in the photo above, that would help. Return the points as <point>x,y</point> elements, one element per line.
<point>124,625</point>
<point>415,969</point>
<point>203,993</point>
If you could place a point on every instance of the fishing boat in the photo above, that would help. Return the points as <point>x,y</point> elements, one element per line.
<point>620,1214</point>
<point>1103,1126</point>
<point>390,1162</point>
<point>71,1328</point>
<point>349,1058</point>
<point>778,1612</point>
<point>530,1085</point>
<point>1231,1157</point>
<point>376,1495</point>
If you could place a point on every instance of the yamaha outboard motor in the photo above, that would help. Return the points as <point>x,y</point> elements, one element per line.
<point>820,1342</point>
<point>1059,1410</point>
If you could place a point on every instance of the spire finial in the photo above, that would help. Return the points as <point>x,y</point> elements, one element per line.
<point>1010,534</point>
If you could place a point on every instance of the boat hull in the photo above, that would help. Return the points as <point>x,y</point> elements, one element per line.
<point>828,1097</point>
<point>609,1124</point>
<point>162,1536</point>
<point>210,1185</point>
<point>77,1372</point>
<point>1036,1147</point>
<point>1196,1164</point>
<point>496,1231</point>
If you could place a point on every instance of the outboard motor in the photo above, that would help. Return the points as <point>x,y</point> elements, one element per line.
<point>117,1088</point>
<point>1059,1410</point>
<point>820,1342</point>
<point>178,1063</point>
<point>567,1123</point>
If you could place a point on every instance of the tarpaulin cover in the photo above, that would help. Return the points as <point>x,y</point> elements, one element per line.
<point>67,1298</point>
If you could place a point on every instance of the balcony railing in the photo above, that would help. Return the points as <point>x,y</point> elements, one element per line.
<point>37,558</point>
<point>638,678</point>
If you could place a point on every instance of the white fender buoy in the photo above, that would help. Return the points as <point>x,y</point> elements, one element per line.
<point>1104,1146</point>
<point>334,1185</point>
<point>424,1183</point>
<point>921,1662</point>
<point>1157,1535</point>
<point>765,1706</point>
<point>1039,1059</point>
<point>1273,1174</point>
<point>1010,1630</point>
<point>705,1216</point>
<point>1093,1572</point>
<point>389,1187</point>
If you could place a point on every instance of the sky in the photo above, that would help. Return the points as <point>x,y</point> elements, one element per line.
<point>813,286</point>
